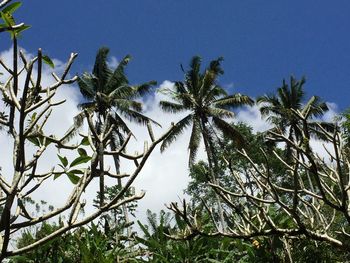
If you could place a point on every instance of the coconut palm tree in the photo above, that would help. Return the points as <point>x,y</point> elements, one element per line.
<point>281,109</point>
<point>109,95</point>
<point>207,105</point>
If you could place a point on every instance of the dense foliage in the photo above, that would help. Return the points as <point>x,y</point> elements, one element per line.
<point>256,197</point>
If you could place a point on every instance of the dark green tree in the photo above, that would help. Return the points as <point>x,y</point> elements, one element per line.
<point>281,110</point>
<point>160,247</point>
<point>345,126</point>
<point>229,158</point>
<point>86,244</point>
<point>109,94</point>
<point>207,105</point>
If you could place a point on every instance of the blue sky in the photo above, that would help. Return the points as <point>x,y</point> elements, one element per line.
<point>262,41</point>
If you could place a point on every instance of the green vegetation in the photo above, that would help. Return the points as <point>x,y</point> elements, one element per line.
<point>257,197</point>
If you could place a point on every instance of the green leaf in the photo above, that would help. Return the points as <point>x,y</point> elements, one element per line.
<point>57,175</point>
<point>21,29</point>
<point>63,160</point>
<point>76,171</point>
<point>48,140</point>
<point>34,140</point>
<point>33,116</point>
<point>73,178</point>
<point>20,259</point>
<point>82,152</point>
<point>85,141</point>
<point>12,7</point>
<point>80,160</point>
<point>8,19</point>
<point>48,61</point>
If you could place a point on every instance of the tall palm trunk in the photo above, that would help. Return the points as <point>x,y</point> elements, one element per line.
<point>296,138</point>
<point>212,164</point>
<point>116,160</point>
<point>100,149</point>
<point>102,180</point>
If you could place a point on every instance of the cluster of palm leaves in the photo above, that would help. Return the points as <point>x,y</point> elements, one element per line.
<point>208,105</point>
<point>281,110</point>
<point>111,98</point>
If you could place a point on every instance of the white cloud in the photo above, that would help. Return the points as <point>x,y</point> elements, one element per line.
<point>164,176</point>
<point>322,148</point>
<point>58,123</point>
<point>331,113</point>
<point>252,116</point>
<point>113,62</point>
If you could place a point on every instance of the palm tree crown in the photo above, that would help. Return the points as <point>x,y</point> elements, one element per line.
<point>207,103</point>
<point>108,93</point>
<point>112,98</point>
<point>281,109</point>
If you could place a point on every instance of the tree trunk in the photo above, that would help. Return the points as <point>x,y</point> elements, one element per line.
<point>6,211</point>
<point>101,166</point>
<point>212,164</point>
<point>117,170</point>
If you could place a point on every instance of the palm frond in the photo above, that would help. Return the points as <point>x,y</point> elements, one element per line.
<point>86,84</point>
<point>177,130</point>
<point>180,87</point>
<point>90,105</point>
<point>187,99</point>
<point>234,101</point>
<point>208,82</point>
<point>317,132</point>
<point>122,92</point>
<point>171,107</point>
<point>124,104</point>
<point>134,116</point>
<point>219,113</point>
<point>118,77</point>
<point>119,123</point>
<point>145,88</point>
<point>229,131</point>
<point>284,95</point>
<point>268,99</point>
<point>101,70</point>
<point>296,90</point>
<point>194,141</point>
<point>193,76</point>
<point>183,95</point>
<point>318,107</point>
<point>78,122</point>
<point>213,93</point>
<point>79,119</point>
<point>117,139</point>
<point>215,66</point>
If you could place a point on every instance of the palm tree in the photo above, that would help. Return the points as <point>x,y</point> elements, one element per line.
<point>207,105</point>
<point>110,96</point>
<point>281,109</point>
